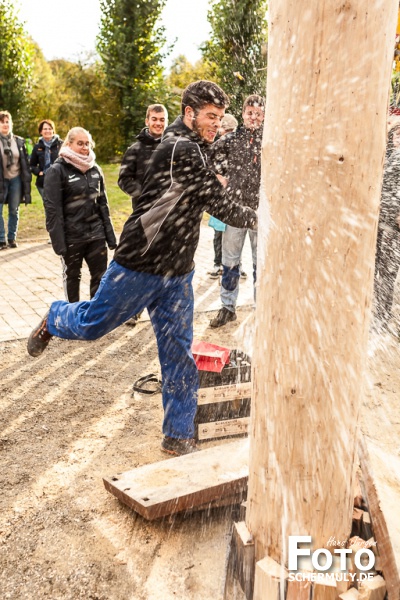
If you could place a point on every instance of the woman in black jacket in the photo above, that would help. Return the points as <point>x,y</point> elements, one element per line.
<point>77,212</point>
<point>45,152</point>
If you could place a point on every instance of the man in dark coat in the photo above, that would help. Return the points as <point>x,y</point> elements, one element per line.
<point>15,179</point>
<point>136,159</point>
<point>153,265</point>
<point>237,157</point>
<point>137,156</point>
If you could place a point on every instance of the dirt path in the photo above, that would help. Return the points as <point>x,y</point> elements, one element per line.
<point>69,418</point>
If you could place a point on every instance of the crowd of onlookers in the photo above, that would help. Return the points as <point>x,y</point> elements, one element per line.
<point>77,213</point>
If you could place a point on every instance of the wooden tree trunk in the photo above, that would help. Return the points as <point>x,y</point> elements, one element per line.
<point>324,143</point>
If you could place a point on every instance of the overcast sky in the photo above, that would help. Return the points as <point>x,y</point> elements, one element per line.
<point>66,28</point>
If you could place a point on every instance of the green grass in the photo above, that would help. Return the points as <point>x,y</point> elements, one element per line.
<point>32,220</point>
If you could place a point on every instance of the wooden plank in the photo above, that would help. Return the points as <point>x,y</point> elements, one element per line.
<point>184,482</point>
<point>380,495</point>
<point>270,579</point>
<point>218,429</point>
<point>225,501</point>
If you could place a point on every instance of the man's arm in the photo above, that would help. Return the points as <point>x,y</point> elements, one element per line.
<point>207,189</point>
<point>127,174</point>
<point>53,205</point>
<point>231,213</point>
<point>219,155</point>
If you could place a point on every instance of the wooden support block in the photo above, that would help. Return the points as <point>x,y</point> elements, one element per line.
<point>372,589</point>
<point>270,580</point>
<point>298,590</point>
<point>242,511</point>
<point>185,482</point>
<point>241,561</point>
<point>351,594</point>
<point>381,498</point>
<point>325,589</point>
<point>357,521</point>
<point>366,527</point>
<point>359,501</point>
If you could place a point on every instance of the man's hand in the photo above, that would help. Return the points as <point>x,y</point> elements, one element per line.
<point>222,180</point>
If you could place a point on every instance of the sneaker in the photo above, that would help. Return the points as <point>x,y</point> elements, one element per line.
<point>216,272</point>
<point>243,275</point>
<point>3,245</point>
<point>223,317</point>
<point>178,447</point>
<point>12,244</point>
<point>39,338</point>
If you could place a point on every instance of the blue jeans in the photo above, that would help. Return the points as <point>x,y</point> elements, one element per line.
<point>232,247</point>
<point>13,195</point>
<point>121,295</point>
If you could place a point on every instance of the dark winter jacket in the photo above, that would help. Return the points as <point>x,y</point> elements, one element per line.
<point>76,206</point>
<point>161,236</point>
<point>134,164</point>
<point>26,175</point>
<point>38,157</point>
<point>237,156</point>
<point>390,197</point>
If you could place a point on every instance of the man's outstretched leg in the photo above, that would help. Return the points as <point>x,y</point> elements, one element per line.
<point>122,293</point>
<point>172,319</point>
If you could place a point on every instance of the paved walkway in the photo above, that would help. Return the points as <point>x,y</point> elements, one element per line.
<point>30,279</point>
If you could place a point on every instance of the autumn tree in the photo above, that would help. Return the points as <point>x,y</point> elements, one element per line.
<point>82,98</point>
<point>237,48</point>
<point>16,59</point>
<point>130,44</point>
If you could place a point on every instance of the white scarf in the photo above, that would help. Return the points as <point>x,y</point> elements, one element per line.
<point>80,161</point>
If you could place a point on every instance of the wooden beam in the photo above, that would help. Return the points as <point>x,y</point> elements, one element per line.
<point>326,59</point>
<point>202,479</point>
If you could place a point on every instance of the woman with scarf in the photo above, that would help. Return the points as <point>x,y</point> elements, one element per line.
<point>45,152</point>
<point>15,179</point>
<point>77,212</point>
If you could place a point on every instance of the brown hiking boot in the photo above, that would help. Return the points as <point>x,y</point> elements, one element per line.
<point>223,317</point>
<point>178,447</point>
<point>39,338</point>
